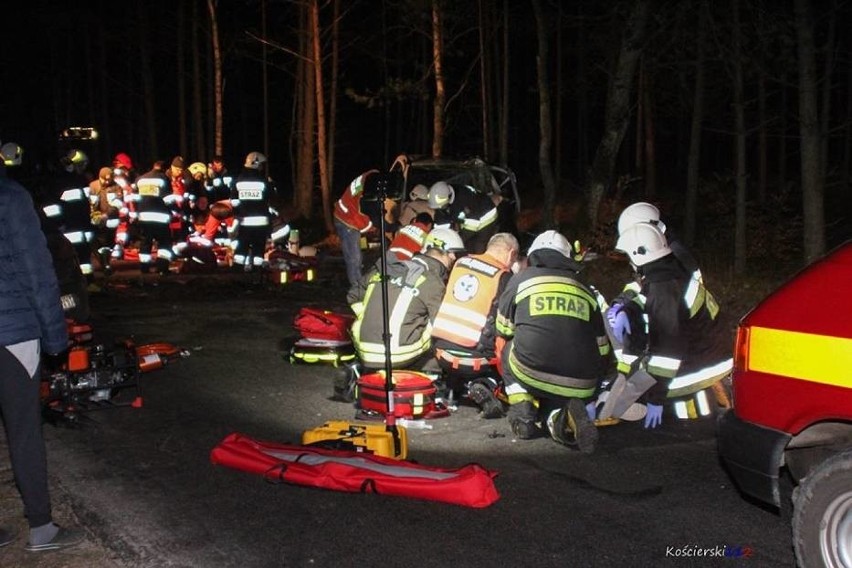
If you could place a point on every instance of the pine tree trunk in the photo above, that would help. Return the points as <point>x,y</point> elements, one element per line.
<point>812,180</point>
<point>332,95</point>
<point>619,96</point>
<point>147,78</point>
<point>740,245</point>
<point>440,89</point>
<point>218,144</point>
<point>649,147</point>
<point>304,186</point>
<point>545,125</point>
<point>693,168</point>
<point>321,126</point>
<point>484,62</point>
<point>180,79</point>
<point>504,103</point>
<point>197,106</point>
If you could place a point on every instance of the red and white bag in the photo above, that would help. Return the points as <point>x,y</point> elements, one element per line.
<point>313,323</point>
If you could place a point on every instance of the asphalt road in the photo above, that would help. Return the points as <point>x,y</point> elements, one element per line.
<point>141,480</point>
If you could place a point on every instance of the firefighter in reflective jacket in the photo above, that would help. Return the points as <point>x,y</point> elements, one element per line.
<point>250,198</point>
<point>472,214</point>
<point>557,350</point>
<point>415,289</point>
<point>153,218</point>
<point>687,350</point>
<point>350,223</point>
<point>464,332</point>
<point>72,211</point>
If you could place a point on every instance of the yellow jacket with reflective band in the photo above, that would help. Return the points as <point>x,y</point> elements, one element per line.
<point>469,303</point>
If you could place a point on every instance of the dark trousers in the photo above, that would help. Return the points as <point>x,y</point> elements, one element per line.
<point>21,408</point>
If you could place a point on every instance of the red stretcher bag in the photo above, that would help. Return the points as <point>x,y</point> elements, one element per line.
<point>413,395</point>
<point>357,472</point>
<point>313,323</point>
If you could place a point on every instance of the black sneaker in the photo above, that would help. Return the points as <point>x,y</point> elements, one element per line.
<point>572,427</point>
<point>65,538</point>
<point>488,404</point>
<point>6,537</point>
<point>524,429</point>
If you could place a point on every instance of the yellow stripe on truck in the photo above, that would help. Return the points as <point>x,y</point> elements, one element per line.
<point>806,356</point>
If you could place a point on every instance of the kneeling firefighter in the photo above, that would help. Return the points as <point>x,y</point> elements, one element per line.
<point>464,332</point>
<point>556,349</point>
<point>686,351</point>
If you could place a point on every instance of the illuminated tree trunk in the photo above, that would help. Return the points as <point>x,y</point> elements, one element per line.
<point>321,126</point>
<point>217,80</point>
<point>617,108</point>
<point>440,89</point>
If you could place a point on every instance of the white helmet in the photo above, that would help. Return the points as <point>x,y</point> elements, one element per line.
<point>643,243</point>
<point>640,212</point>
<point>419,191</point>
<point>441,194</point>
<point>11,154</point>
<point>254,160</point>
<point>445,239</point>
<point>551,240</point>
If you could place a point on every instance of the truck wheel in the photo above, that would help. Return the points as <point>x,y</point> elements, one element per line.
<point>822,517</point>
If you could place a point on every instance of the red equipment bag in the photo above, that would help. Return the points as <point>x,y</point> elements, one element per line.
<point>313,323</point>
<point>357,472</point>
<point>413,395</point>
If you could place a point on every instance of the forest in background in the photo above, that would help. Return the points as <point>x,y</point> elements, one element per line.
<point>732,115</point>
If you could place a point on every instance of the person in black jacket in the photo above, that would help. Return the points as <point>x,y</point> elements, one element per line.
<point>31,319</point>
<point>250,198</point>
<point>687,349</point>
<point>556,351</point>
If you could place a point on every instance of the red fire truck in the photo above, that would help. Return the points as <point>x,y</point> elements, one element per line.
<point>792,408</point>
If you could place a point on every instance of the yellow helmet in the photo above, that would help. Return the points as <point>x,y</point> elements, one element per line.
<point>197,168</point>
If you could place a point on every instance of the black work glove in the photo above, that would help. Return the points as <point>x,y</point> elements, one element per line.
<point>54,362</point>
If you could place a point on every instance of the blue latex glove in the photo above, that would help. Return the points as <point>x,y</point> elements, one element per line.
<point>621,327</point>
<point>654,417</point>
<point>612,312</point>
<point>592,410</point>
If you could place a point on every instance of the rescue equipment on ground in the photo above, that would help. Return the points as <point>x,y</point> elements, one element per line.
<point>324,337</point>
<point>414,395</point>
<point>322,351</point>
<point>98,376</point>
<point>358,437</point>
<point>313,323</point>
<point>286,267</point>
<point>379,187</point>
<point>93,377</point>
<point>356,472</point>
<point>153,356</point>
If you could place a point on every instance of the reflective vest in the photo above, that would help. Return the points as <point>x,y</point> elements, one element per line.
<point>468,300</point>
<point>347,209</point>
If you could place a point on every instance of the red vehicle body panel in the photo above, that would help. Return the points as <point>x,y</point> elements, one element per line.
<point>814,302</point>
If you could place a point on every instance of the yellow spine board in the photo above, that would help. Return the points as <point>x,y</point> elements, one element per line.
<point>360,437</point>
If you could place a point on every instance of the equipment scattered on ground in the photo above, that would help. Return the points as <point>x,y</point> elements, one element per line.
<point>97,376</point>
<point>313,323</point>
<point>469,486</point>
<point>358,437</point>
<point>378,188</point>
<point>285,267</point>
<point>324,337</point>
<point>414,396</point>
